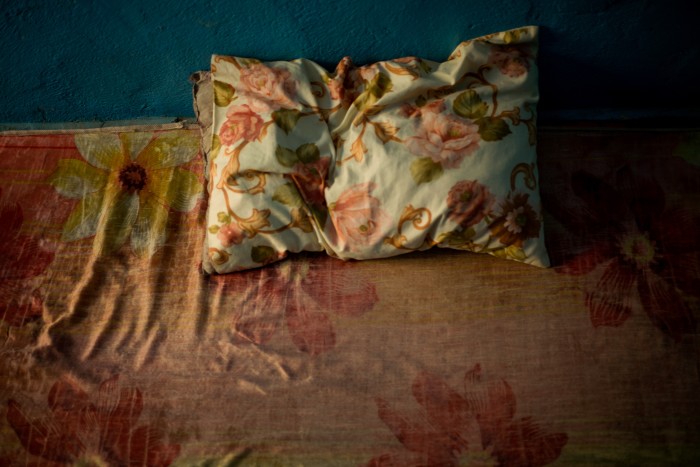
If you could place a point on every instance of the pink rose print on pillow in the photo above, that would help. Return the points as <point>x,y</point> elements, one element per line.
<point>511,60</point>
<point>267,89</point>
<point>346,83</point>
<point>241,124</point>
<point>310,178</point>
<point>230,234</point>
<point>358,218</point>
<point>445,138</point>
<point>468,202</point>
<point>335,85</point>
<point>368,72</point>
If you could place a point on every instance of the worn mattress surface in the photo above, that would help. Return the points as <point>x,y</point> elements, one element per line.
<point>117,350</point>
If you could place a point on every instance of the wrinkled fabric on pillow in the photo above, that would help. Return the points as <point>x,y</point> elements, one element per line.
<point>378,160</point>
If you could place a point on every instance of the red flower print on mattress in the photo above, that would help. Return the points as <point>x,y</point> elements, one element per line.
<point>475,426</point>
<point>92,430</point>
<point>22,259</point>
<point>646,252</point>
<point>299,294</point>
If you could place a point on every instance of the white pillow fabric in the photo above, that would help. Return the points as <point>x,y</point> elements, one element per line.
<point>375,161</point>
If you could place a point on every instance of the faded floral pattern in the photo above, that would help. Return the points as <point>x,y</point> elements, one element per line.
<point>473,427</point>
<point>648,251</point>
<point>126,185</point>
<point>345,84</point>
<point>366,73</point>
<point>468,202</point>
<point>241,124</point>
<point>445,138</point>
<point>299,295</point>
<point>512,60</point>
<point>266,88</point>
<point>412,111</point>
<point>335,84</point>
<point>230,234</point>
<point>437,126</point>
<point>358,218</point>
<point>100,429</point>
<point>319,361</point>
<point>310,179</point>
<point>22,259</point>
<point>516,221</point>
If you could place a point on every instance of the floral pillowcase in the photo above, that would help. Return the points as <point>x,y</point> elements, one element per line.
<point>375,161</point>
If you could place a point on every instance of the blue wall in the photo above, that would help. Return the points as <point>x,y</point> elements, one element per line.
<point>67,60</point>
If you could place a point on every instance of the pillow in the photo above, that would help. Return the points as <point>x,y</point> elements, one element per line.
<point>374,161</point>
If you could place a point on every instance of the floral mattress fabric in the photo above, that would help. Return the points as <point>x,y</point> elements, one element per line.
<point>118,350</point>
<point>378,160</point>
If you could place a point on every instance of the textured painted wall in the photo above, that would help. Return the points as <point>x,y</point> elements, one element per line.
<point>65,60</point>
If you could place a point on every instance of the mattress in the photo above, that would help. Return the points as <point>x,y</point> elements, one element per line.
<point>117,349</point>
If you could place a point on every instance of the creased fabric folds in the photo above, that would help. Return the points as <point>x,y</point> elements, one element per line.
<point>375,161</point>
